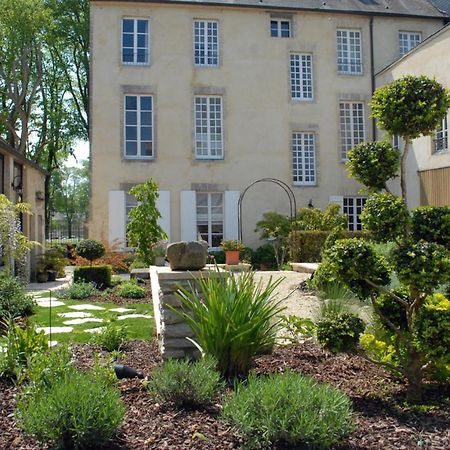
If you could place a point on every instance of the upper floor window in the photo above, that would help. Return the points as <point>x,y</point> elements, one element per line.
<point>301,76</point>
<point>208,127</point>
<point>441,139</point>
<point>210,217</point>
<point>135,43</point>
<point>349,52</point>
<point>352,130</point>
<point>408,40</point>
<point>280,28</point>
<point>138,126</point>
<point>352,208</point>
<point>206,43</point>
<point>303,158</point>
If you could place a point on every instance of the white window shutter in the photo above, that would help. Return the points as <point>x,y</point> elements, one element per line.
<point>188,216</point>
<point>231,215</point>
<point>163,205</point>
<point>117,217</point>
<point>338,199</point>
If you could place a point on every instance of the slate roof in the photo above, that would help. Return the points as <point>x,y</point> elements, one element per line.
<point>443,5</point>
<point>418,8</point>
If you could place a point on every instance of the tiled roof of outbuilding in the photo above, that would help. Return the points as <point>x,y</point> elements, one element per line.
<point>419,8</point>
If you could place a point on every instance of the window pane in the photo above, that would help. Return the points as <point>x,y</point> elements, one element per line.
<point>131,133</point>
<point>128,25</point>
<point>131,118</point>
<point>146,133</point>
<point>146,103</point>
<point>127,55</point>
<point>131,102</point>
<point>127,40</point>
<point>146,149</point>
<point>131,149</point>
<point>142,26</point>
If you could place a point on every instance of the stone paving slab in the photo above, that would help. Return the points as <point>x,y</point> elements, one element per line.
<point>121,310</point>
<point>94,330</point>
<point>47,303</point>
<point>134,316</point>
<point>55,330</point>
<point>87,307</point>
<point>81,321</point>
<point>75,315</point>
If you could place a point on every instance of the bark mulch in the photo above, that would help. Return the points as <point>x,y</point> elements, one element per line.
<point>383,420</point>
<point>110,296</point>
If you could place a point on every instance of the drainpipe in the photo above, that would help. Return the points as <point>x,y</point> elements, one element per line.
<point>372,73</point>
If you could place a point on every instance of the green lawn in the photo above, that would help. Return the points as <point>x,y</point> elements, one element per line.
<point>137,328</point>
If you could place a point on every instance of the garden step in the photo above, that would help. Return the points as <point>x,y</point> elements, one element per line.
<point>305,267</point>
<point>143,274</point>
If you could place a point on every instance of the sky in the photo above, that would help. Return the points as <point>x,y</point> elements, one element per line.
<point>81,152</point>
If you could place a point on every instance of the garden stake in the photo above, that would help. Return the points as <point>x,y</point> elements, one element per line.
<point>50,320</point>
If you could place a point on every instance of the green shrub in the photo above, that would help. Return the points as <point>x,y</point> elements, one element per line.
<point>306,246</point>
<point>14,302</point>
<point>78,290</point>
<point>297,328</point>
<point>130,290</point>
<point>323,277</point>
<point>392,309</point>
<point>264,256</point>
<point>232,318</point>
<point>335,299</point>
<point>112,337</point>
<point>432,224</point>
<point>53,259</point>
<point>77,411</point>
<point>246,255</point>
<point>339,333</point>
<point>90,249</point>
<point>21,345</point>
<point>314,219</point>
<point>100,276</point>
<point>186,384</point>
<point>138,264</point>
<point>288,408</point>
<point>217,257</point>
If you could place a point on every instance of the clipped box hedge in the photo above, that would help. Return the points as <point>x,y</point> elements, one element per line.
<point>432,224</point>
<point>99,275</point>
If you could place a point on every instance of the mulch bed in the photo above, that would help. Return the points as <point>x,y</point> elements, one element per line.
<point>383,419</point>
<point>112,297</point>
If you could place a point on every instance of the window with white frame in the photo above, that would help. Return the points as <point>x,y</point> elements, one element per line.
<point>352,208</point>
<point>408,40</point>
<point>206,43</point>
<point>210,217</point>
<point>352,130</point>
<point>135,42</point>
<point>138,124</point>
<point>441,137</point>
<point>280,28</point>
<point>349,52</point>
<point>303,158</point>
<point>208,127</point>
<point>301,76</point>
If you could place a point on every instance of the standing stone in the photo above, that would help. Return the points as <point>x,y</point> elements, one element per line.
<point>187,255</point>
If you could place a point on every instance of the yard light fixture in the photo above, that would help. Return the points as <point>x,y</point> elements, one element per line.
<point>127,372</point>
<point>310,204</point>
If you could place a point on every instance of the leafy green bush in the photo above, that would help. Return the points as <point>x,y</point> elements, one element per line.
<point>297,328</point>
<point>130,290</point>
<point>373,163</point>
<point>432,224</point>
<point>21,345</point>
<point>90,249</point>
<point>385,216</point>
<point>217,257</point>
<point>264,256</point>
<point>186,384</point>
<point>14,302</point>
<point>392,309</point>
<point>314,219</point>
<point>76,411</point>
<point>288,408</point>
<point>246,255</point>
<point>335,299</point>
<point>340,333</point>
<point>78,290</point>
<point>138,263</point>
<point>323,277</point>
<point>232,318</point>
<point>100,276</point>
<point>112,337</point>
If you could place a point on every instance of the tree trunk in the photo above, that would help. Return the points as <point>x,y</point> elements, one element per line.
<point>413,373</point>
<point>403,169</point>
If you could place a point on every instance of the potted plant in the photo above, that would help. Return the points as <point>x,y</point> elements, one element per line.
<point>232,248</point>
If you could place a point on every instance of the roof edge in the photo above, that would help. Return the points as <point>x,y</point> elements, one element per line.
<point>8,149</point>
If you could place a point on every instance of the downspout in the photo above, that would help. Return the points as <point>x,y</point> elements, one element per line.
<point>372,74</point>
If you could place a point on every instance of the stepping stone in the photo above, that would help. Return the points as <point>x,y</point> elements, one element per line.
<point>46,303</point>
<point>134,316</point>
<point>94,330</point>
<point>52,343</point>
<point>121,310</point>
<point>55,330</point>
<point>87,308</point>
<point>80,321</point>
<point>75,315</point>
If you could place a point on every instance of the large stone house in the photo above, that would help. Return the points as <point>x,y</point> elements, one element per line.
<point>207,97</point>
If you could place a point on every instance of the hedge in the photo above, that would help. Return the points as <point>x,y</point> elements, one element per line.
<point>432,224</point>
<point>99,275</point>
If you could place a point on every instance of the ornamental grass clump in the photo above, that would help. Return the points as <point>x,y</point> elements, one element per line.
<point>232,318</point>
<point>290,409</point>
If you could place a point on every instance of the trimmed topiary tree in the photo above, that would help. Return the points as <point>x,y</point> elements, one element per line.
<point>90,249</point>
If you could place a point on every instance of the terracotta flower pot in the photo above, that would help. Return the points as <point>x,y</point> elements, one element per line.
<point>232,257</point>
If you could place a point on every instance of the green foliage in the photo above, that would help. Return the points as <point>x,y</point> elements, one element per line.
<point>21,345</point>
<point>232,245</point>
<point>265,256</point>
<point>288,408</point>
<point>76,411</point>
<point>386,217</point>
<point>217,257</point>
<point>314,219</point>
<point>373,164</point>
<point>354,262</point>
<point>323,277</point>
<point>273,225</point>
<point>90,249</point>
<point>392,309</point>
<point>143,230</point>
<point>186,384</point>
<point>78,290</point>
<point>382,350</point>
<point>306,246</point>
<point>422,265</point>
<point>431,224</point>
<point>112,337</point>
<point>410,106</point>
<point>52,259</point>
<point>297,327</point>
<point>14,302</point>
<point>130,290</point>
<point>232,318</point>
<point>138,264</point>
<point>340,333</point>
<point>99,276</point>
<point>335,300</point>
<point>247,255</point>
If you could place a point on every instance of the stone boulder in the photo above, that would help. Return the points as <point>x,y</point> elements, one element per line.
<point>187,255</point>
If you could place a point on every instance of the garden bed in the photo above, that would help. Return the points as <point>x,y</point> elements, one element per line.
<point>383,419</point>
